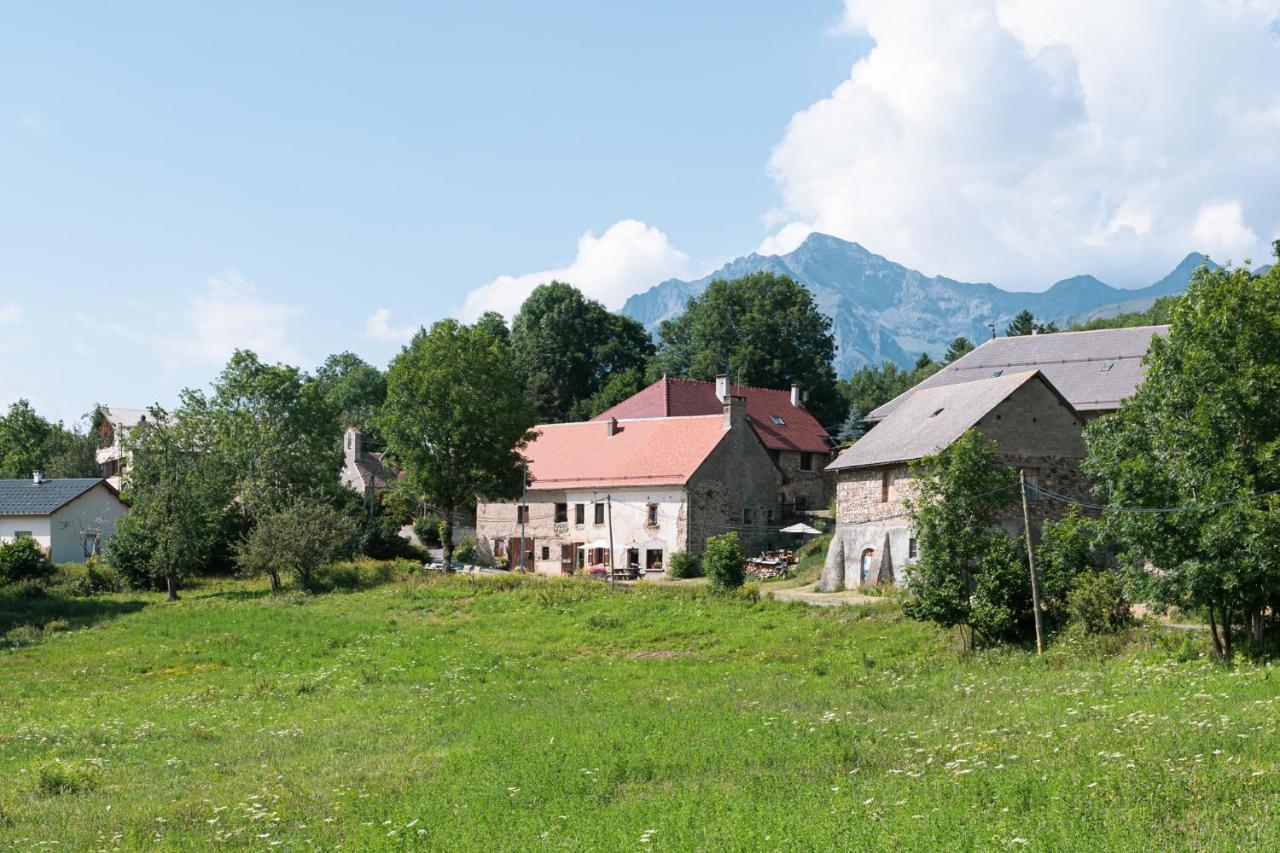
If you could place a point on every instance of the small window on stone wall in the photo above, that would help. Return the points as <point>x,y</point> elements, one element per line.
<point>651,515</point>
<point>546,552</point>
<point>886,485</point>
<point>806,461</point>
<point>562,513</point>
<point>913,548</point>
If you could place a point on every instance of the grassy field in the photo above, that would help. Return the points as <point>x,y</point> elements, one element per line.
<point>499,714</point>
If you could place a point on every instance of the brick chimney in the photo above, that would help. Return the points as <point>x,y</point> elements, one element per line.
<point>722,387</point>
<point>613,426</point>
<point>735,412</point>
<point>795,395</point>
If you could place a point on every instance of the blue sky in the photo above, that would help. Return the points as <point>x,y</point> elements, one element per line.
<point>308,178</point>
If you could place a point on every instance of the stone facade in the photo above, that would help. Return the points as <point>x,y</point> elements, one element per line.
<point>734,488</point>
<point>803,488</point>
<point>874,542</point>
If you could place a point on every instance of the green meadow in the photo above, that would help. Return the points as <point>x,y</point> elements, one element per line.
<point>521,714</point>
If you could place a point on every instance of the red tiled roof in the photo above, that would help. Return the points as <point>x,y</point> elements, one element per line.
<point>665,398</point>
<point>648,452</point>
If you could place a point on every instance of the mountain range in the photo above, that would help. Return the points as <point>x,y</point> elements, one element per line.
<point>881,310</point>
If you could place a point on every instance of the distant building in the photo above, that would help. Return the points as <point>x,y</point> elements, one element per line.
<point>796,442</point>
<point>632,492</point>
<point>1031,395</point>
<point>112,425</point>
<point>363,471</point>
<point>70,519</point>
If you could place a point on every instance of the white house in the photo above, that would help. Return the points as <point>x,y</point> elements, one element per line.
<point>112,426</point>
<point>70,519</point>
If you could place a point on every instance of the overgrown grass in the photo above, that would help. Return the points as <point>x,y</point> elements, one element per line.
<point>523,714</point>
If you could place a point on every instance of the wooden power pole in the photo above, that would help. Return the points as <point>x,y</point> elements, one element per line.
<point>608,503</point>
<point>1031,560</point>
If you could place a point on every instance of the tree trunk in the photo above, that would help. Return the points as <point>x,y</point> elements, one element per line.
<point>1213,632</point>
<point>1226,631</point>
<point>171,584</point>
<point>1259,625</point>
<point>275,581</point>
<point>447,544</point>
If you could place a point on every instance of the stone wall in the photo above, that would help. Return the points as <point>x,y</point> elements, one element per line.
<point>737,476</point>
<point>809,485</point>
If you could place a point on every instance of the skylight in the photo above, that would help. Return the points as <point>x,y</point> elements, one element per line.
<point>938,412</point>
<point>999,372</point>
<point>777,420</point>
<point>1108,366</point>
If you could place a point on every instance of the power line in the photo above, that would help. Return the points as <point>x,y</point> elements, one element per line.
<point>1153,510</point>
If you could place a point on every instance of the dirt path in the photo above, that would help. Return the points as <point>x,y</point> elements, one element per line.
<point>809,595</point>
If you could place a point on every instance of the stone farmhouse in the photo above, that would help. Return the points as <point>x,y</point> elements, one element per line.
<point>71,519</point>
<point>796,442</point>
<point>627,493</point>
<point>1031,395</point>
<point>363,471</point>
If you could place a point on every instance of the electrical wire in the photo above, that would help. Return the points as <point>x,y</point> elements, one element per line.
<point>1155,510</point>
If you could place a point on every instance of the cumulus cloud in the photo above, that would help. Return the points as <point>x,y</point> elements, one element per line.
<point>628,257</point>
<point>379,327</point>
<point>230,314</point>
<point>1027,140</point>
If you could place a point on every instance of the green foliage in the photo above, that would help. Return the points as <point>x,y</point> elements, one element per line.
<point>456,419</point>
<point>296,541</point>
<point>853,427</point>
<point>352,388</point>
<point>763,330</point>
<point>467,552</point>
<point>958,348</point>
<point>29,443</point>
<point>960,493</point>
<point>868,388</point>
<point>1159,314</point>
<point>22,559</point>
<point>619,387</point>
<point>92,577</point>
<point>428,529</point>
<point>1025,324</point>
<point>493,324</point>
<point>1069,547</point>
<point>350,575</point>
<point>566,348</point>
<point>1098,604</point>
<point>683,564</point>
<point>724,561</point>
<point>1203,428</point>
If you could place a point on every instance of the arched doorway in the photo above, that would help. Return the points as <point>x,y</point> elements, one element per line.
<point>867,556</point>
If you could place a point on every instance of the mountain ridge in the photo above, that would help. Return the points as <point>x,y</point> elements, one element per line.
<point>880,309</point>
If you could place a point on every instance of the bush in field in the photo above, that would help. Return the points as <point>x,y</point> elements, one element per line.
<point>724,561</point>
<point>1098,604</point>
<point>684,565</point>
<point>23,560</point>
<point>91,577</point>
<point>360,574</point>
<point>296,541</point>
<point>467,552</point>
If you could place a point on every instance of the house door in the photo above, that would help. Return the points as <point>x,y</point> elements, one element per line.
<point>867,556</point>
<point>513,552</point>
<point>566,559</point>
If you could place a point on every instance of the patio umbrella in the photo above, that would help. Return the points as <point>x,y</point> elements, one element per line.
<point>801,528</point>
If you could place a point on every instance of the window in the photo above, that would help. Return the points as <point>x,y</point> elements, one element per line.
<point>886,485</point>
<point>546,552</point>
<point>746,516</point>
<point>651,515</point>
<point>1106,368</point>
<point>599,519</point>
<point>936,413</point>
<point>802,503</point>
<point>997,373</point>
<point>777,420</point>
<point>522,514</point>
<point>562,513</point>
<point>806,461</point>
<point>913,548</point>
<point>579,513</point>
<point>768,516</point>
<point>22,534</point>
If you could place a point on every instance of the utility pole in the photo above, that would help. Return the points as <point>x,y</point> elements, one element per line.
<point>1031,560</point>
<point>524,508</point>
<point>608,504</point>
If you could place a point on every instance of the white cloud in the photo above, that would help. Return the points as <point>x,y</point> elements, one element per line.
<point>228,315</point>
<point>628,257</point>
<point>1026,140</point>
<point>379,327</point>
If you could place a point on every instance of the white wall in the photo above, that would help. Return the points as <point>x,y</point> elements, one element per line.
<point>36,525</point>
<point>630,517</point>
<point>96,509</point>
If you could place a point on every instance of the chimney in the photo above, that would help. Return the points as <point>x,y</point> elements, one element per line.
<point>613,426</point>
<point>722,387</point>
<point>735,412</point>
<point>795,395</point>
<point>37,478</point>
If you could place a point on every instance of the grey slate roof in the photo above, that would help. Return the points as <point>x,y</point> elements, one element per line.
<point>1074,362</point>
<point>23,497</point>
<point>931,419</point>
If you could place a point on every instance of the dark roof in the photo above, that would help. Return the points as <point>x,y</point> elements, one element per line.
<point>374,471</point>
<point>1095,370</point>
<point>931,419</point>
<point>667,398</point>
<point>24,497</point>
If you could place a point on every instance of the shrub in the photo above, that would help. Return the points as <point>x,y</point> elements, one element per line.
<point>684,565</point>
<point>91,577</point>
<point>427,529</point>
<point>360,574</point>
<point>23,560</point>
<point>468,551</point>
<point>129,554</point>
<point>724,561</point>
<point>378,538</point>
<point>1098,604</point>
